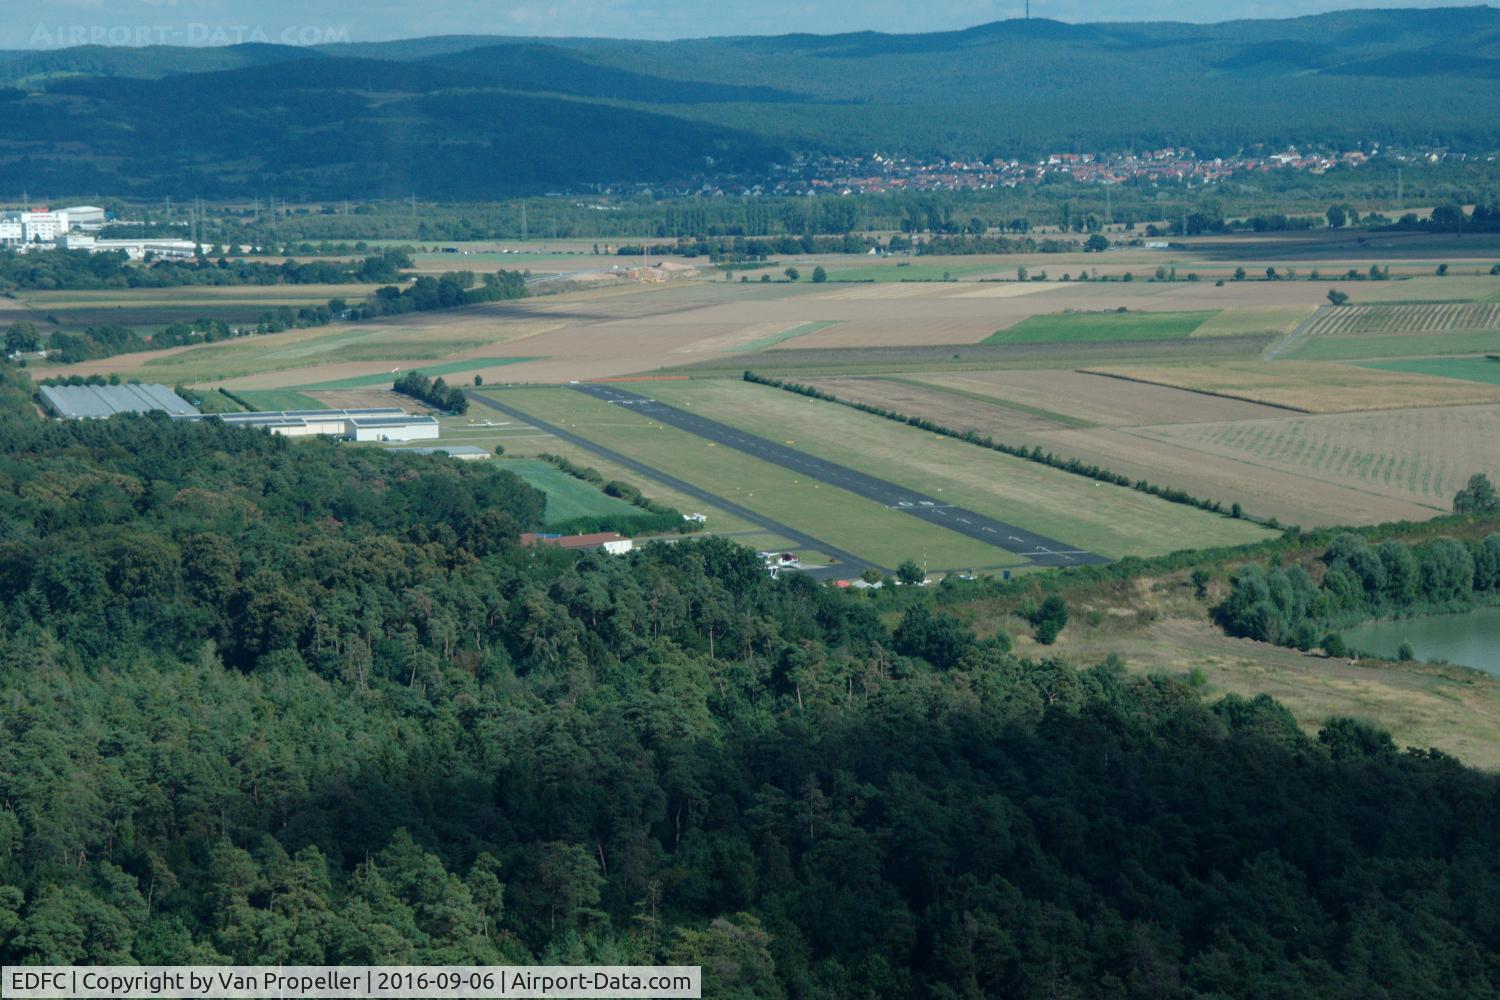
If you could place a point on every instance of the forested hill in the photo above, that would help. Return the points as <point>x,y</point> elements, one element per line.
<point>273,702</point>
<point>469,117</point>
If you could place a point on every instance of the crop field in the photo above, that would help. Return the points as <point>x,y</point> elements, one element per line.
<point>1097,399</point>
<point>1072,327</point>
<point>1469,369</point>
<point>832,515</point>
<point>1110,520</point>
<point>1277,320</point>
<point>567,497</point>
<point>1422,455</point>
<point>1342,321</point>
<point>1118,437</point>
<point>1309,387</point>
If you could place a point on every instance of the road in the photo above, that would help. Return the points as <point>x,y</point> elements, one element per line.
<point>850,566</point>
<point>1038,549</point>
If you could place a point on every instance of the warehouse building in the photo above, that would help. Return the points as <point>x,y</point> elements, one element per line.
<point>95,402</point>
<point>378,424</point>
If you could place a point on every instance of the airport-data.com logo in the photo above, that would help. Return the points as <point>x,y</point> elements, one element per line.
<point>63,36</point>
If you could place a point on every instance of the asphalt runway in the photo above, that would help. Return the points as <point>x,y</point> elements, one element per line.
<point>850,565</point>
<point>1038,549</point>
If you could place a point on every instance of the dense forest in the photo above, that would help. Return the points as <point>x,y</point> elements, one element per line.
<point>472,118</point>
<point>266,701</point>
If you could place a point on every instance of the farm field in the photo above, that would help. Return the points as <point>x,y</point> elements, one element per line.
<point>827,513</point>
<point>279,399</point>
<point>1071,327</point>
<point>1469,369</point>
<point>1110,439</point>
<point>1419,455</point>
<point>1279,320</point>
<point>1110,520</point>
<point>1311,388</point>
<point>1392,345</point>
<point>1098,399</point>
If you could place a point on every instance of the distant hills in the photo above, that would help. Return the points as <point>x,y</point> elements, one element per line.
<point>471,116</point>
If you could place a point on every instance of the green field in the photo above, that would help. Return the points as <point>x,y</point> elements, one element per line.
<point>827,513</point>
<point>1075,327</point>
<point>567,497</point>
<point>279,399</point>
<point>446,368</point>
<point>1467,369</point>
<point>1110,520</point>
<point>1394,346</point>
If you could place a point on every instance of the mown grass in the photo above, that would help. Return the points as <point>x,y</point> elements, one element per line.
<point>567,497</point>
<point>834,516</point>
<point>1075,327</point>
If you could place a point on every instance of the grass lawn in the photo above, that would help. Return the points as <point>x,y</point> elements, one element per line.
<point>837,517</point>
<point>567,497</point>
<point>1468,369</point>
<point>279,399</point>
<point>1064,328</point>
<point>1110,520</point>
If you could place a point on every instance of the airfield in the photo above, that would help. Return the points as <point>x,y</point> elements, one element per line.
<point>1254,392</point>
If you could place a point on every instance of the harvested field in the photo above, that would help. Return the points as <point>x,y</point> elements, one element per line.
<point>962,412</point>
<point>1309,387</point>
<point>1423,456</point>
<point>1278,320</point>
<point>807,361</point>
<point>1287,496</point>
<point>1098,399</point>
<point>360,399</point>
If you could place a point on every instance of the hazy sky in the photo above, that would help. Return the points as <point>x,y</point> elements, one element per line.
<point>53,23</point>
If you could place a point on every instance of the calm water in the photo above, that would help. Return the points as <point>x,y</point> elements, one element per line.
<point>1471,639</point>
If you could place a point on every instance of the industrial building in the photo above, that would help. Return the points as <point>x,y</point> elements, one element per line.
<point>378,424</point>
<point>44,226</point>
<point>95,402</point>
<point>134,249</point>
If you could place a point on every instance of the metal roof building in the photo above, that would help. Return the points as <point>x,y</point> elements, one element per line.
<point>95,402</point>
<point>387,423</point>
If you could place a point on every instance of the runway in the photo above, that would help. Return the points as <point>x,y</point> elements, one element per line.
<point>1038,549</point>
<point>850,565</point>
